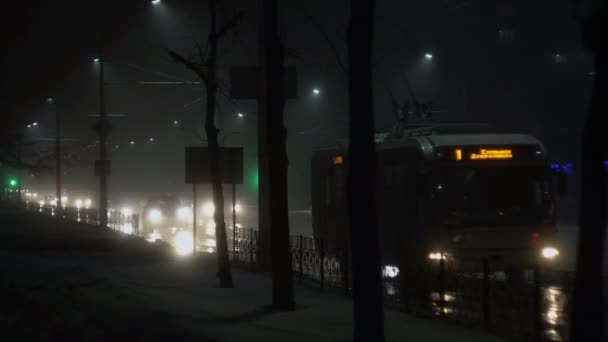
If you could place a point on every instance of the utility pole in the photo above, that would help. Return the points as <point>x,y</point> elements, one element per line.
<point>19,172</point>
<point>102,128</point>
<point>57,153</point>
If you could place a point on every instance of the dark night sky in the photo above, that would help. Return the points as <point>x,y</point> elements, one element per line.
<point>474,75</point>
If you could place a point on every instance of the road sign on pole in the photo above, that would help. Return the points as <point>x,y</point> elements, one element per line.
<point>197,165</point>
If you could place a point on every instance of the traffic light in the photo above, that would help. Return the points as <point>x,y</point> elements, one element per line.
<point>13,182</point>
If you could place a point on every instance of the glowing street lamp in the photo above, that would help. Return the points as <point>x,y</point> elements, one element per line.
<point>155,2</point>
<point>428,56</point>
<point>241,115</point>
<point>316,91</point>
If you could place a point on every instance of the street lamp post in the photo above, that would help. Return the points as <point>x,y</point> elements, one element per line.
<point>103,129</point>
<point>51,102</point>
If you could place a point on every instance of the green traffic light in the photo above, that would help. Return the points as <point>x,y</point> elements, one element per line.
<point>12,182</point>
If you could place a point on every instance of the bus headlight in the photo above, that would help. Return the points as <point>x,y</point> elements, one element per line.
<point>550,252</point>
<point>155,215</point>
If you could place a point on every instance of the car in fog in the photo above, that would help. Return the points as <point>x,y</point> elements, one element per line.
<point>164,216</point>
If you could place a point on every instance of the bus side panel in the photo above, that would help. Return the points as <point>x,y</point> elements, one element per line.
<point>397,200</point>
<point>329,199</point>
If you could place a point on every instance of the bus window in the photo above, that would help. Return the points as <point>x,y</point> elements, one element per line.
<point>339,184</point>
<point>490,195</point>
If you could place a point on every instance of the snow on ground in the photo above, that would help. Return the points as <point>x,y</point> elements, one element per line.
<point>66,281</point>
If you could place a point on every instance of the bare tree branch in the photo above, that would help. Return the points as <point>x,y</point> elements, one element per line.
<point>230,25</point>
<point>331,44</point>
<point>194,67</point>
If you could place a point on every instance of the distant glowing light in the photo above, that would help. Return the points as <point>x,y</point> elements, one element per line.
<point>184,213</point>
<point>78,203</point>
<point>241,115</point>
<point>35,124</point>
<point>210,228</point>
<point>155,215</point>
<point>64,199</point>
<point>428,56</point>
<point>127,211</point>
<point>208,208</point>
<point>127,229</point>
<point>184,243</point>
<point>96,60</point>
<point>42,203</point>
<point>176,123</point>
<point>316,91</point>
<point>151,139</point>
<point>337,160</point>
<point>155,2</point>
<point>87,203</point>
<point>132,142</point>
<point>210,243</point>
<point>29,126</point>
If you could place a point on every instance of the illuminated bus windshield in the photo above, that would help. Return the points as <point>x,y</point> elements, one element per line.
<point>492,195</point>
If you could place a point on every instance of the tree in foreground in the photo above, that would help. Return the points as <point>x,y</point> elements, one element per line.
<point>367,277</point>
<point>282,280</point>
<point>588,314</point>
<point>205,67</point>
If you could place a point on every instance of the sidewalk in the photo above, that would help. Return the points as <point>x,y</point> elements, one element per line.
<point>66,281</point>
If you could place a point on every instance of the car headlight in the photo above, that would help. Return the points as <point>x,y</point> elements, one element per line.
<point>184,213</point>
<point>155,215</point>
<point>390,271</point>
<point>208,209</point>
<point>210,228</point>
<point>127,211</point>
<point>154,236</point>
<point>550,252</point>
<point>184,243</point>
<point>437,255</point>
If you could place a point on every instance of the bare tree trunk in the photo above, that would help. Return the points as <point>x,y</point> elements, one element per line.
<point>588,314</point>
<point>206,69</point>
<point>282,281</point>
<point>367,281</point>
<point>223,263</point>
